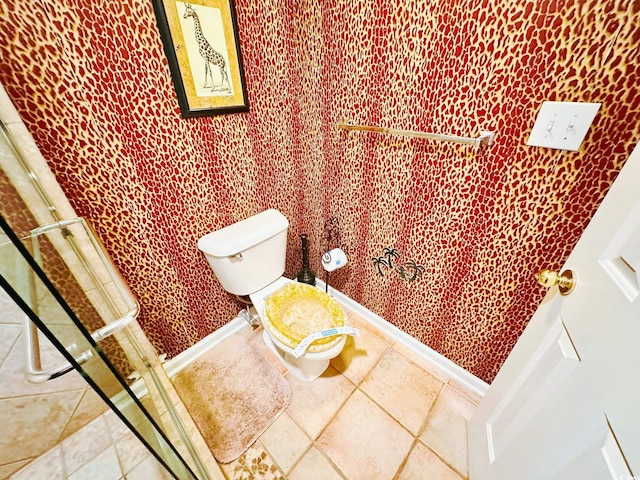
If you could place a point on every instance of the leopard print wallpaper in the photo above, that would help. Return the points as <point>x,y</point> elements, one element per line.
<point>93,86</point>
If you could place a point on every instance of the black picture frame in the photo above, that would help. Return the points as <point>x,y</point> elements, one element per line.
<point>202,47</point>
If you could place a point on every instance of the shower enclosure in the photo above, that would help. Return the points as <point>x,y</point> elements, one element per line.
<point>67,310</point>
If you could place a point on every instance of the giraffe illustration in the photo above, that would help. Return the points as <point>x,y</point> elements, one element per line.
<point>208,53</point>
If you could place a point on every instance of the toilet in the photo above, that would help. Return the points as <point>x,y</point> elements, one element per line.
<point>248,258</point>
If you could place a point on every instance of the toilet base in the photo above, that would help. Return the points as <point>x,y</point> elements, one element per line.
<point>302,368</point>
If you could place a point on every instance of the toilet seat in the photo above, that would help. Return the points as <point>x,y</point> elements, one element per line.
<point>297,310</point>
<point>291,311</point>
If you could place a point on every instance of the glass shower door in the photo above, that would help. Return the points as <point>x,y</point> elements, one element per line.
<point>69,309</point>
<point>25,282</point>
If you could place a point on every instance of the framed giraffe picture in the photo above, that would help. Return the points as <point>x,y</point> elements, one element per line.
<point>201,43</point>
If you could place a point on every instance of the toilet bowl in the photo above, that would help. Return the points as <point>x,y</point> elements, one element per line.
<point>289,312</point>
<point>248,258</point>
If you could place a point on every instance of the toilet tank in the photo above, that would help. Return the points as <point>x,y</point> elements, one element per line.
<point>248,255</point>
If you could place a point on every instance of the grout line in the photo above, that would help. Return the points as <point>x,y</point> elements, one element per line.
<point>271,456</point>
<point>15,341</point>
<point>406,458</point>
<point>322,430</point>
<point>411,359</point>
<point>335,467</point>
<point>373,367</point>
<point>41,394</point>
<point>312,444</point>
<point>386,412</point>
<point>416,436</point>
<point>65,469</point>
<point>333,417</point>
<point>454,470</point>
<point>298,460</point>
<point>462,391</point>
<point>425,422</point>
<point>66,424</point>
<point>357,387</point>
<point>113,440</point>
<point>424,427</point>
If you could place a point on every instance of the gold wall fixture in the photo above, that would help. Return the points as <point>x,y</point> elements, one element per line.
<point>484,138</point>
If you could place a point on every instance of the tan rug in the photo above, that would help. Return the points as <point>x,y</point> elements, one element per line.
<point>233,395</point>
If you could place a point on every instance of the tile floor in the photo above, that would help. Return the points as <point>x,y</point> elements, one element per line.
<point>104,449</point>
<point>379,412</point>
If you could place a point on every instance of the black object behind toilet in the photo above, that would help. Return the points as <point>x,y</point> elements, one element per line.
<point>306,275</point>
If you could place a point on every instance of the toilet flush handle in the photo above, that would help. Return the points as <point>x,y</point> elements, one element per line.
<point>236,258</point>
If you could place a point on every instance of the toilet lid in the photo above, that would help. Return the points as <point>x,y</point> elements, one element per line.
<point>298,310</point>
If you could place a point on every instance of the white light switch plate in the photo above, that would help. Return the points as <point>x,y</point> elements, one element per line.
<point>562,125</point>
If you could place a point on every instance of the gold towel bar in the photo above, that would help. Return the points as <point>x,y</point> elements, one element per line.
<point>485,138</point>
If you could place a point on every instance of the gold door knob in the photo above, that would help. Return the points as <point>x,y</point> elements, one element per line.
<point>564,280</point>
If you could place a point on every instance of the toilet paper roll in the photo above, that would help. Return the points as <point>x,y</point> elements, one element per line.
<point>334,259</point>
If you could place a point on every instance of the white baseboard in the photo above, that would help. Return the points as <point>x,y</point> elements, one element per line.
<point>177,363</point>
<point>457,373</point>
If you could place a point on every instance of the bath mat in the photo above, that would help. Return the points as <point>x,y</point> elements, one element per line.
<point>233,394</point>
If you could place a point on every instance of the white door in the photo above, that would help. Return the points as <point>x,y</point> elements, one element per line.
<point>566,403</point>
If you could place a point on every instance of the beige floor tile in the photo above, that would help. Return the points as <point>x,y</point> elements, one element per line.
<point>313,404</point>
<point>8,336</point>
<point>84,445</point>
<point>424,363</point>
<point>27,437</point>
<point>89,408</point>
<point>359,355</point>
<point>14,383</point>
<point>314,466</point>
<point>131,451</point>
<point>357,321</point>
<point>446,429</point>
<point>403,389</point>
<point>149,469</point>
<point>49,466</point>
<point>423,463</point>
<point>8,468</point>
<point>473,396</point>
<point>116,426</point>
<point>364,442</point>
<point>103,467</point>
<point>285,442</point>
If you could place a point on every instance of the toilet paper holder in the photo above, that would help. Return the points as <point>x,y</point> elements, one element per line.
<point>333,260</point>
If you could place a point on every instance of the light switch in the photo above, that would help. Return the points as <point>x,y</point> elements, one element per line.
<point>562,125</point>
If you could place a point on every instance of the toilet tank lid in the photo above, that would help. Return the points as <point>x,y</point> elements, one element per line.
<point>244,234</point>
